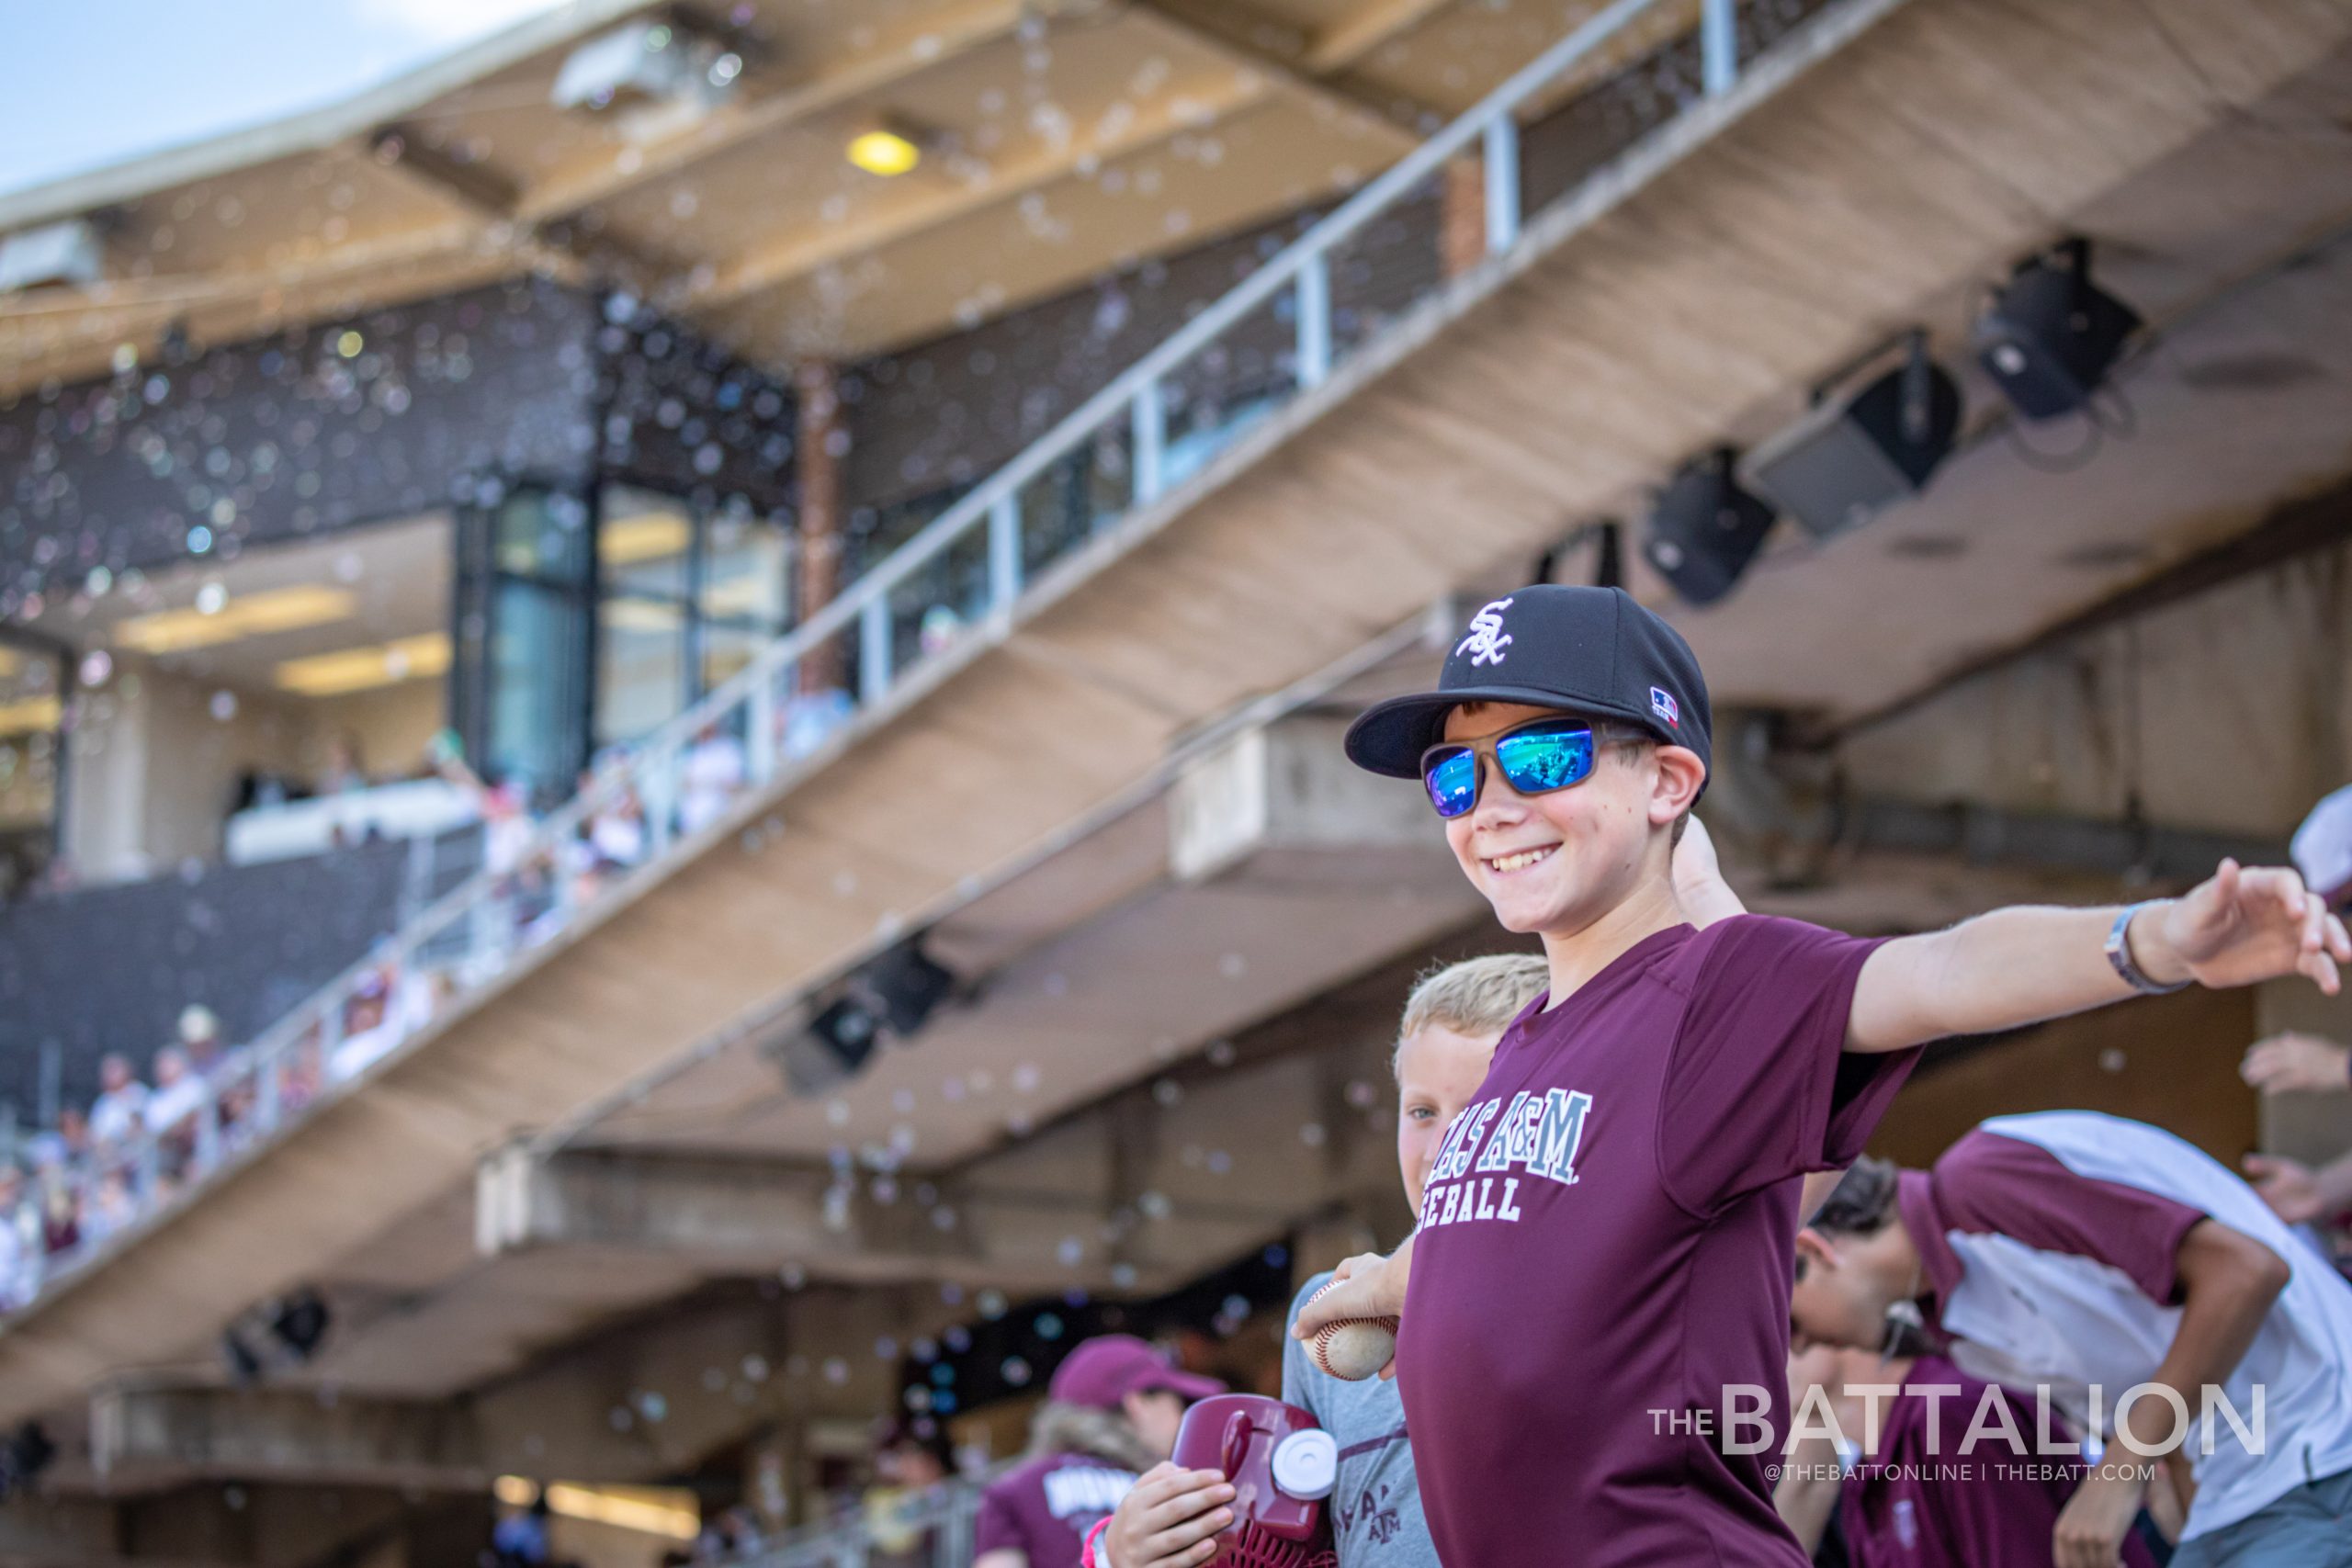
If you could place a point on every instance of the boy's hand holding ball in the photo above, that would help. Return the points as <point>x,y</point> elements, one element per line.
<point>1357,1313</point>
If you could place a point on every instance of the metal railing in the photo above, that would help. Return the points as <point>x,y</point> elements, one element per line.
<point>932,1529</point>
<point>967,570</point>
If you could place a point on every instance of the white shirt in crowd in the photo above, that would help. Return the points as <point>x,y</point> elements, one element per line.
<point>2024,1316</point>
<point>174,1104</point>
<point>117,1112</point>
<point>711,777</point>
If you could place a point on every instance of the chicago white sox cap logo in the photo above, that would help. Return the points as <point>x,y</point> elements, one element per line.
<point>1487,639</point>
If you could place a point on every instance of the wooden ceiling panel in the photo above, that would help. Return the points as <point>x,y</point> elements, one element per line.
<point>1277,156</point>
<point>997,115</point>
<point>290,213</point>
<point>72,342</point>
<point>1457,55</point>
<point>800,69</point>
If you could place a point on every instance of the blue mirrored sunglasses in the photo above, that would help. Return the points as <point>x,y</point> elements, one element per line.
<point>1536,758</point>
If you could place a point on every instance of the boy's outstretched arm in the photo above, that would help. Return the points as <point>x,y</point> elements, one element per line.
<point>2021,966</point>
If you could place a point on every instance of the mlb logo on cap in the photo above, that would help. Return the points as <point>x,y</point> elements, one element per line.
<point>1664,707</point>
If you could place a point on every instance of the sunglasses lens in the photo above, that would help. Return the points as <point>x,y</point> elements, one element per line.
<point>1541,759</point>
<point>1452,778</point>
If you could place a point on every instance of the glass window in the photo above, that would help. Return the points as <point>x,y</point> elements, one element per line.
<point>520,640</point>
<point>543,536</point>
<point>685,601</point>
<point>534,702</point>
<point>645,546</point>
<point>746,566</point>
<point>640,665</point>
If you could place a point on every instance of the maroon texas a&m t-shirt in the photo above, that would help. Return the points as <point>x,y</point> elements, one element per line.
<point>1607,1241</point>
<point>1044,1509</point>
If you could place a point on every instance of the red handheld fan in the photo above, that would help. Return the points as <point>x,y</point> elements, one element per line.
<point>1281,1465</point>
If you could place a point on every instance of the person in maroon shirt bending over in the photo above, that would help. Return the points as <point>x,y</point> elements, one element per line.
<point>1111,1413</point>
<point>1595,1302</point>
<point>1916,1499</point>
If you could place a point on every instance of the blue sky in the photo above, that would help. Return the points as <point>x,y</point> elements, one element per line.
<point>88,82</point>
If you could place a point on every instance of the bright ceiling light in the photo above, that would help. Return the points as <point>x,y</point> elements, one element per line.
<point>654,1511</point>
<point>29,715</point>
<point>235,619</point>
<point>657,615</point>
<point>363,669</point>
<point>648,535</point>
<point>884,152</point>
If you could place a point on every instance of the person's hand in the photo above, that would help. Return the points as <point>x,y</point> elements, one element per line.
<point>2093,1524</point>
<point>1365,1286</point>
<point>2295,1063</point>
<point>1699,884</point>
<point>2241,925</point>
<point>2290,1187</point>
<point>1695,862</point>
<point>1169,1519</point>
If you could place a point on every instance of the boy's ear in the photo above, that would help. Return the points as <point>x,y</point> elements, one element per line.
<point>1815,1249</point>
<point>1679,776</point>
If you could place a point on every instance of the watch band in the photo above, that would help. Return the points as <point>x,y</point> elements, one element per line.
<point>2118,954</point>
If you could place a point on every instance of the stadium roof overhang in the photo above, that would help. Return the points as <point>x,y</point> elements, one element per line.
<point>1052,140</point>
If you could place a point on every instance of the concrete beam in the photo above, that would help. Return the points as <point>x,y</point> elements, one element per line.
<point>744,1217</point>
<point>640,1402</point>
<point>150,1435</point>
<point>38,1531</point>
<point>1281,806</point>
<point>250,1524</point>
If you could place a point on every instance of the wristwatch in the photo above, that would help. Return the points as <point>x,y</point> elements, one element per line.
<point>2118,954</point>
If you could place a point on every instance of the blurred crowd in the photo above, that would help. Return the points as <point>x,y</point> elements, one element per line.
<point>67,1187</point>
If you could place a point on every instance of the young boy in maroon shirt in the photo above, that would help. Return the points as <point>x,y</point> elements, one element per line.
<point>1605,1247</point>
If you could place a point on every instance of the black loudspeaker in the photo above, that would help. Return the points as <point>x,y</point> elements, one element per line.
<point>2050,336</point>
<point>1845,462</point>
<point>1705,529</point>
<point>24,1454</point>
<point>847,1031</point>
<point>907,985</point>
<point>301,1323</point>
<point>243,1366</point>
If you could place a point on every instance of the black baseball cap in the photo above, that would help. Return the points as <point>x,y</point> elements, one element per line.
<point>1594,651</point>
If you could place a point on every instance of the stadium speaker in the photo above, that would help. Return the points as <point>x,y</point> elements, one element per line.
<point>847,1032</point>
<point>24,1454</point>
<point>300,1322</point>
<point>1705,529</point>
<point>243,1367</point>
<point>2050,335</point>
<point>907,986</point>
<point>1847,460</point>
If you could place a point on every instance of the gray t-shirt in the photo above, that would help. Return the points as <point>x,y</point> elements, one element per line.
<point>1375,1510</point>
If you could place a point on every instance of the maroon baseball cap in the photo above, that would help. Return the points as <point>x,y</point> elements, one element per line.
<point>1109,1367</point>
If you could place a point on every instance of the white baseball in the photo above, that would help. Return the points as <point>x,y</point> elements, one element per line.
<point>1354,1349</point>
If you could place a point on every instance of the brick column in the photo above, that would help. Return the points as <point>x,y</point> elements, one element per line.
<point>1462,216</point>
<point>819,456</point>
